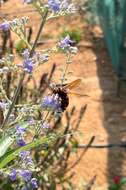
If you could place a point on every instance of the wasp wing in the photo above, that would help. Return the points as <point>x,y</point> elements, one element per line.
<point>77,93</point>
<point>72,84</point>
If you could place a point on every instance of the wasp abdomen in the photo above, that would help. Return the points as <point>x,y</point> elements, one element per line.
<point>62,93</point>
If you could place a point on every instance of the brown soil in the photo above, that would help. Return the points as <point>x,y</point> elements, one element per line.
<point>105,116</point>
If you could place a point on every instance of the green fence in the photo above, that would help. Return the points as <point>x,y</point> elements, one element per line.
<point>112,17</point>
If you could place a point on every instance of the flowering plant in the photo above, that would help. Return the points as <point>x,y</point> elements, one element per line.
<point>118,183</point>
<point>28,120</point>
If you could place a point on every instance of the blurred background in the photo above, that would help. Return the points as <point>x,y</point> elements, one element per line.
<point>98,30</point>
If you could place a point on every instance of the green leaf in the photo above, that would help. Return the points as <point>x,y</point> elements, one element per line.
<point>11,155</point>
<point>53,186</point>
<point>20,46</point>
<point>5,143</point>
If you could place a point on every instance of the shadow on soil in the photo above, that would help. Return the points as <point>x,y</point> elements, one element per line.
<point>114,109</point>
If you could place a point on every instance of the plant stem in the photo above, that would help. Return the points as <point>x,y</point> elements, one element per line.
<point>64,74</point>
<point>14,100</point>
<point>65,69</point>
<point>39,32</point>
<point>23,74</point>
<point>38,128</point>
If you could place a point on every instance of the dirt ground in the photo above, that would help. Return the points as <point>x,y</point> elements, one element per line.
<point>105,117</point>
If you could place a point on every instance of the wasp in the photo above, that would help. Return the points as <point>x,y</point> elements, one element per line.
<point>64,90</point>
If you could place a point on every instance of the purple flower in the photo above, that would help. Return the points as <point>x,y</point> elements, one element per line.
<point>26,54</point>
<point>54,5</point>
<point>24,153</point>
<point>13,175</point>
<point>45,125</point>
<point>41,58</point>
<point>65,43</point>
<point>28,62</point>
<point>28,65</point>
<point>63,6</point>
<point>26,174</point>
<point>51,102</point>
<point>31,121</point>
<point>2,105</point>
<point>25,157</point>
<point>34,183</point>
<point>20,130</point>
<point>5,26</point>
<point>21,142</point>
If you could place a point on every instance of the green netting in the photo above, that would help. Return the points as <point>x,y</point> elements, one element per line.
<point>112,17</point>
<point>112,14</point>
